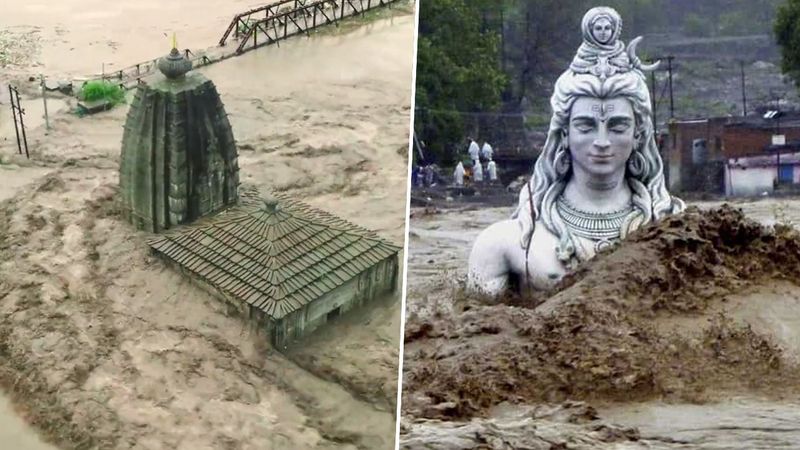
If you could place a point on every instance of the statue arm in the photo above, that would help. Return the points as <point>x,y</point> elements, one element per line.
<point>489,266</point>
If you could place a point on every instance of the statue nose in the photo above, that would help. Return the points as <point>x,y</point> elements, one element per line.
<point>602,142</point>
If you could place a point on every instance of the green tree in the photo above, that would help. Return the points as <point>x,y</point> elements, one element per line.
<point>787,34</point>
<point>695,26</point>
<point>458,70</point>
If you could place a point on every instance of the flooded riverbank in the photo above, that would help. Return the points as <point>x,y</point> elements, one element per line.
<point>118,351</point>
<point>684,338</point>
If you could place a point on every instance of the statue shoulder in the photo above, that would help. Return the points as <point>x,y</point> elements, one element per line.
<point>493,255</point>
<point>543,266</point>
<point>497,240</point>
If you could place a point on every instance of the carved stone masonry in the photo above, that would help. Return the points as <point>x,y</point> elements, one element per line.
<point>179,159</point>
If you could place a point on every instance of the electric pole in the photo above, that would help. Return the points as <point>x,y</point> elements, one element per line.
<point>744,94</point>
<point>653,101</point>
<point>778,98</point>
<point>671,100</point>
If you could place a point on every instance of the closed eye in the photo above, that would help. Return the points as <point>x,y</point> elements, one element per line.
<point>620,128</point>
<point>583,125</point>
<point>619,125</point>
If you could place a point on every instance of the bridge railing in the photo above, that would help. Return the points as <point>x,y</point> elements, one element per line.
<point>130,76</point>
<point>301,17</point>
<point>243,20</point>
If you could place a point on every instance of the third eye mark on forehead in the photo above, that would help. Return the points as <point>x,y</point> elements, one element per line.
<point>603,112</point>
<point>603,109</point>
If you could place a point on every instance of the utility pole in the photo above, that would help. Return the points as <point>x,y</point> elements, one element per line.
<point>653,101</point>
<point>671,100</point>
<point>778,132</point>
<point>744,94</point>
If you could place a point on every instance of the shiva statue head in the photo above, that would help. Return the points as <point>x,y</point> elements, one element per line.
<point>603,95</point>
<point>599,177</point>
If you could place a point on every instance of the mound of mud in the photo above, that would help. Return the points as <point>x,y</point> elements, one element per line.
<point>597,336</point>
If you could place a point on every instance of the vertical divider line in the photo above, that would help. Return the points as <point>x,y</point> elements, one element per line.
<point>405,243</point>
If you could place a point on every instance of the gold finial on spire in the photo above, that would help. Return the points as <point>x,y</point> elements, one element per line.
<point>174,65</point>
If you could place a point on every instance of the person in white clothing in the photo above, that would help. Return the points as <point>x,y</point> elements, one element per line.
<point>487,152</point>
<point>474,151</point>
<point>491,170</point>
<point>478,170</point>
<point>458,175</point>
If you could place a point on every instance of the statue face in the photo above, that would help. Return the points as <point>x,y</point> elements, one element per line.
<point>601,135</point>
<point>602,30</point>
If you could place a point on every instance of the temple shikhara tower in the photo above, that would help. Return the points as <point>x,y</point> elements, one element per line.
<point>179,159</point>
<point>287,267</point>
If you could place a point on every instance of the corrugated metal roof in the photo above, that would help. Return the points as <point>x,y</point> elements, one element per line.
<point>279,253</point>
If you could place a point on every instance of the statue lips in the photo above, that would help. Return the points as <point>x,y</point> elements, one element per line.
<point>601,158</point>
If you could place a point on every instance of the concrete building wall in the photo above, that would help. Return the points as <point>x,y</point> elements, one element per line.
<point>674,168</point>
<point>749,182</point>
<point>367,286</point>
<point>754,175</point>
<point>682,136</point>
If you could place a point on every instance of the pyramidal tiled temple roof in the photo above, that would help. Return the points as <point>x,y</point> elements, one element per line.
<point>276,254</point>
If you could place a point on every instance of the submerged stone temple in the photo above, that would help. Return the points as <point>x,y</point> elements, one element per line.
<point>179,159</point>
<point>286,266</point>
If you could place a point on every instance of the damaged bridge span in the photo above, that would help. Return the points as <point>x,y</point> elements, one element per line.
<point>271,23</point>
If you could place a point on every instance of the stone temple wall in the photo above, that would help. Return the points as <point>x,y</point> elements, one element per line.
<point>179,159</point>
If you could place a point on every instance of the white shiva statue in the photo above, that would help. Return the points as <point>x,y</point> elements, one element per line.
<point>598,178</point>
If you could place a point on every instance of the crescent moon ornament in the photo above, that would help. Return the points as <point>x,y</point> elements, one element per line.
<point>635,61</point>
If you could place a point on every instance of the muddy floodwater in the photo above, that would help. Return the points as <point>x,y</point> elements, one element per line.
<point>699,351</point>
<point>746,423</point>
<point>104,346</point>
<point>81,37</point>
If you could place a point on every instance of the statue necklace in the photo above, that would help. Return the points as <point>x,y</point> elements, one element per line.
<point>601,228</point>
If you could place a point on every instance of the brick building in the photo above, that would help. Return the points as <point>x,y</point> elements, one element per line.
<point>692,142</point>
<point>702,152</point>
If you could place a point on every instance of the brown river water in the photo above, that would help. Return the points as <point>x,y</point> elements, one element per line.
<point>702,406</point>
<point>110,348</point>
